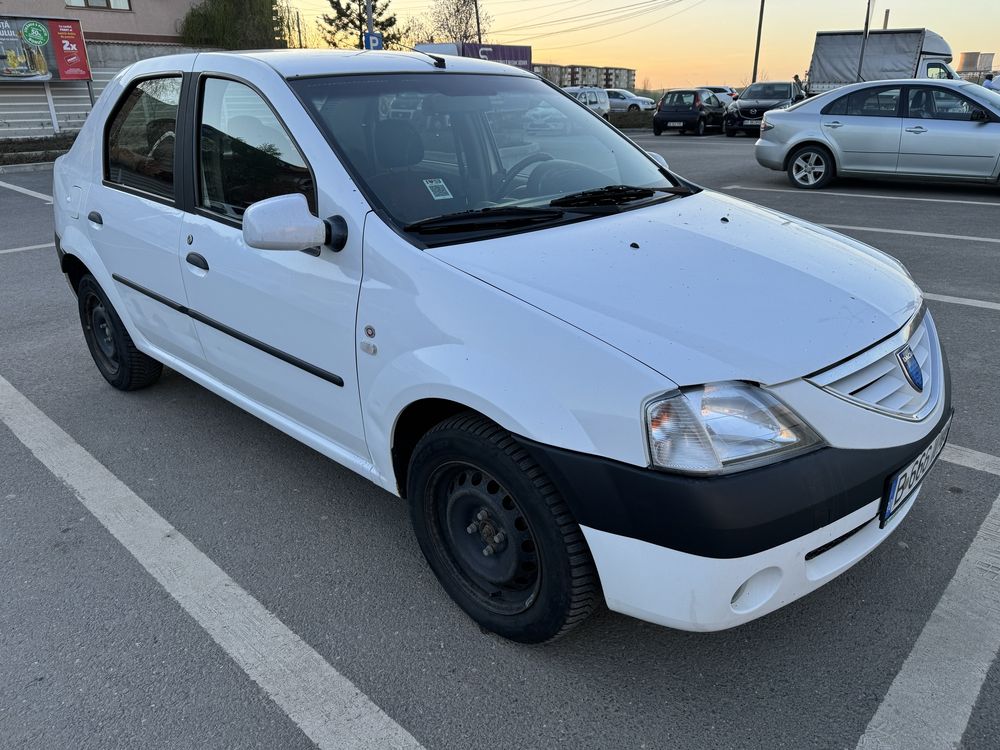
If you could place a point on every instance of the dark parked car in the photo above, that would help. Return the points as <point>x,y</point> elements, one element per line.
<point>747,111</point>
<point>692,110</point>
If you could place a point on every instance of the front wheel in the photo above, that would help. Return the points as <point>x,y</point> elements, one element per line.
<point>497,534</point>
<point>810,167</point>
<point>633,108</point>
<point>114,353</point>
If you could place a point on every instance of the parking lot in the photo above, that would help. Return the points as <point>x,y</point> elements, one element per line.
<point>105,643</point>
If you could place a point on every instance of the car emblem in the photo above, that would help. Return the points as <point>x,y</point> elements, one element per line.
<point>753,111</point>
<point>911,368</point>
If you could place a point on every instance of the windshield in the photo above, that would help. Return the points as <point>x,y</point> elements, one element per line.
<point>768,91</point>
<point>431,145</point>
<point>983,94</point>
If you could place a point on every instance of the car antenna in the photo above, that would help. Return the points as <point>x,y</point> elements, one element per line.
<point>439,61</point>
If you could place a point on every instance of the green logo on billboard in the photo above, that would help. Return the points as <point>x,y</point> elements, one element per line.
<point>34,33</point>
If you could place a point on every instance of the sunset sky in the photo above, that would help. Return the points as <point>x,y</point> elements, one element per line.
<point>686,42</point>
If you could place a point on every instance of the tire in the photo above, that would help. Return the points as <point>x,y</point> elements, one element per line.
<point>114,353</point>
<point>657,131</point>
<point>810,167</point>
<point>472,487</point>
<point>633,108</point>
<point>730,133</point>
<point>700,127</point>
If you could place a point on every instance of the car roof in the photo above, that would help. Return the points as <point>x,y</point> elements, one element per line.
<point>300,63</point>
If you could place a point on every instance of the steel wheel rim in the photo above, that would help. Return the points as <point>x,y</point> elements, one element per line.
<point>470,512</point>
<point>100,333</point>
<point>809,168</point>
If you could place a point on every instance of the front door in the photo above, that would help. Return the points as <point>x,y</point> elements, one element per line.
<point>865,126</point>
<point>276,326</point>
<point>941,138</point>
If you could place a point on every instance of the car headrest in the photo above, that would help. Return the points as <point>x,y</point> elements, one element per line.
<point>397,144</point>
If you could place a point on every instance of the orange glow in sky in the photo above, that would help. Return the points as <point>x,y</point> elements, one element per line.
<point>690,42</point>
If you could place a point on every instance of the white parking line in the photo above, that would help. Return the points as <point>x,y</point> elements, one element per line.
<point>876,196</point>
<point>931,699</point>
<point>971,459</point>
<point>962,301</point>
<point>25,191</point>
<point>26,247</point>
<point>908,232</point>
<point>325,705</point>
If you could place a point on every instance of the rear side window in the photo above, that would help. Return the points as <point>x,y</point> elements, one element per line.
<point>244,152</point>
<point>141,138</point>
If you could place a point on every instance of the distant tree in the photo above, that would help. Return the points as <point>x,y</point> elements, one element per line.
<point>236,24</point>
<point>416,31</point>
<point>344,28</point>
<point>455,20</point>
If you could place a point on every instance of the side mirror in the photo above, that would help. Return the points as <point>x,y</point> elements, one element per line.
<point>285,223</point>
<point>658,158</point>
<point>799,97</point>
<point>735,97</point>
<point>979,115</point>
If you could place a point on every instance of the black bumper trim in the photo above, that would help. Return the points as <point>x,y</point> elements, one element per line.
<point>731,515</point>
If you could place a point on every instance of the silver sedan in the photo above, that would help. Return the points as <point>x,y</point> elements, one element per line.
<point>947,130</point>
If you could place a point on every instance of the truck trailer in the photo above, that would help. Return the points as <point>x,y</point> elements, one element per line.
<point>889,54</point>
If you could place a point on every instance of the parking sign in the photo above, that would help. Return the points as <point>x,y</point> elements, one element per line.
<point>373,40</point>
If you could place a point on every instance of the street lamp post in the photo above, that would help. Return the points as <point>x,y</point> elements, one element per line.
<point>756,53</point>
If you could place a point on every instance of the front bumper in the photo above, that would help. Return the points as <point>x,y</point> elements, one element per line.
<point>736,121</point>
<point>708,553</point>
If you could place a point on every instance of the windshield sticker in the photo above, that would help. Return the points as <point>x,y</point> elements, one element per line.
<point>438,190</point>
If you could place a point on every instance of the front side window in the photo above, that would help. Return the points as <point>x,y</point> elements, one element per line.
<point>141,137</point>
<point>470,143</point>
<point>244,152</point>
<point>938,71</point>
<point>937,104</point>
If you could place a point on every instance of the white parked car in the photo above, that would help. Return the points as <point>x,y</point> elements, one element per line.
<point>623,100</point>
<point>586,376</point>
<point>592,97</point>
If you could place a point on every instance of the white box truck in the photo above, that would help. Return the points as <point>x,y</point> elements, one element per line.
<point>889,53</point>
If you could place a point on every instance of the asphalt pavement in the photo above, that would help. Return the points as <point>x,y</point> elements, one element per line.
<point>97,652</point>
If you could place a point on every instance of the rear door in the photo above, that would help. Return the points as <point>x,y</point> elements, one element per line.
<point>133,215</point>
<point>864,127</point>
<point>941,138</point>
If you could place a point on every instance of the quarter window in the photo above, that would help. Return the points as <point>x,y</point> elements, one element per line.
<point>141,138</point>
<point>244,152</point>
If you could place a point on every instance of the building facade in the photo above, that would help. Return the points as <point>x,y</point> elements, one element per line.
<point>157,21</point>
<point>586,75</point>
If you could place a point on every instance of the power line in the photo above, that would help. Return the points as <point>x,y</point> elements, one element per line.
<point>625,33</point>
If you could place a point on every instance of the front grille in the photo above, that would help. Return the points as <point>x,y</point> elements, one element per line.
<point>746,113</point>
<point>875,378</point>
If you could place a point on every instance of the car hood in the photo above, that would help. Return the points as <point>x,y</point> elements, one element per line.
<point>704,288</point>
<point>759,103</point>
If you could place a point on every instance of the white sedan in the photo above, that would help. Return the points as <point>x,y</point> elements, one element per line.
<point>590,379</point>
<point>938,129</point>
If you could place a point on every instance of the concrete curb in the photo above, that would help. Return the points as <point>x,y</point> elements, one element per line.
<point>41,166</point>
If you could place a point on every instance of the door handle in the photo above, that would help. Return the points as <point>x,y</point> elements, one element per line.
<point>917,129</point>
<point>834,124</point>
<point>95,217</point>
<point>198,261</point>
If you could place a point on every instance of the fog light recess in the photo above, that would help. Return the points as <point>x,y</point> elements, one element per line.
<point>755,591</point>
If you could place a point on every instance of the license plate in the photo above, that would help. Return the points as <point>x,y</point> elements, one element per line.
<point>905,481</point>
<point>753,122</point>
<point>675,124</point>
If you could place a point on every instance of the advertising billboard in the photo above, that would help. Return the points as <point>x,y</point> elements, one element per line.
<point>42,49</point>
<point>508,54</point>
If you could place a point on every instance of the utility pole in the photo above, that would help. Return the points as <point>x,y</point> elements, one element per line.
<point>756,54</point>
<point>864,39</point>
<point>885,22</point>
<point>298,25</point>
<point>479,31</point>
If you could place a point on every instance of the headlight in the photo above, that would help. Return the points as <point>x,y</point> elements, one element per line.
<point>783,105</point>
<point>723,427</point>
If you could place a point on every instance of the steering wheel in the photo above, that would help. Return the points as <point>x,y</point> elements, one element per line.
<point>514,171</point>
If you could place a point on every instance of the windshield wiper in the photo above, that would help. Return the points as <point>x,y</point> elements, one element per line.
<point>615,195</point>
<point>495,217</point>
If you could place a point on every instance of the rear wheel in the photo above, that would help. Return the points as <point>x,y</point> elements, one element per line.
<point>657,131</point>
<point>810,167</point>
<point>699,129</point>
<point>497,534</point>
<point>114,353</point>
